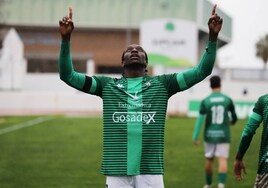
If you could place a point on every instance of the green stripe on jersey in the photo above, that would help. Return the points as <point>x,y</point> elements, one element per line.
<point>93,86</point>
<point>181,81</point>
<point>134,128</point>
<point>256,116</point>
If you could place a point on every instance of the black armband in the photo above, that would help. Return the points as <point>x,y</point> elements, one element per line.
<point>87,85</point>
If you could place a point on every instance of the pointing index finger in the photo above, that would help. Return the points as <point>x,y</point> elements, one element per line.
<point>70,13</point>
<point>214,9</point>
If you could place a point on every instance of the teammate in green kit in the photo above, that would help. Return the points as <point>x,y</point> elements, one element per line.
<point>259,115</point>
<point>134,108</point>
<point>216,108</point>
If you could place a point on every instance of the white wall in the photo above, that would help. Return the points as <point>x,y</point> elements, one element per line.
<point>12,62</point>
<point>47,94</point>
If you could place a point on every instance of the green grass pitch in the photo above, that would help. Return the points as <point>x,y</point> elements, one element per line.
<point>66,152</point>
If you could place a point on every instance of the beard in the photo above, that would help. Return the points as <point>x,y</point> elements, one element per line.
<point>135,66</point>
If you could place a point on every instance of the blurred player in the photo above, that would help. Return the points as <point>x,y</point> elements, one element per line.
<point>260,114</point>
<point>134,108</point>
<point>215,108</point>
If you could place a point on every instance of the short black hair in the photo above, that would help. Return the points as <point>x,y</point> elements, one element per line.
<point>215,82</point>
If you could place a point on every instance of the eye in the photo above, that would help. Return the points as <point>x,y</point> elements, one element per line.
<point>139,49</point>
<point>129,49</point>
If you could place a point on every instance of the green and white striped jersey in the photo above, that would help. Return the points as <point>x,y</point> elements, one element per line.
<point>134,112</point>
<point>219,112</point>
<point>259,115</point>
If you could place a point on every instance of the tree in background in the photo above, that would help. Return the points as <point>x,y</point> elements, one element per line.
<point>2,20</point>
<point>2,2</point>
<point>262,49</point>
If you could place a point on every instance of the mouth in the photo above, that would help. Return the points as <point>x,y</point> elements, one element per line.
<point>134,57</point>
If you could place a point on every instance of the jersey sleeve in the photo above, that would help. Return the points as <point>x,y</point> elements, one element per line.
<point>66,70</point>
<point>67,73</point>
<point>98,83</point>
<point>197,127</point>
<point>199,121</point>
<point>196,74</point>
<point>202,109</point>
<point>233,112</point>
<point>170,83</point>
<point>253,123</point>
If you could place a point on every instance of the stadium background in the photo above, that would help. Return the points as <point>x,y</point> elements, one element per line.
<point>30,42</point>
<point>44,152</point>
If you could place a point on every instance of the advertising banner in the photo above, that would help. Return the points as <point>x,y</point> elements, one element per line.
<point>170,42</point>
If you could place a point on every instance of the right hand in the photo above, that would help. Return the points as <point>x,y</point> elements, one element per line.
<point>214,24</point>
<point>196,142</point>
<point>239,169</point>
<point>66,26</point>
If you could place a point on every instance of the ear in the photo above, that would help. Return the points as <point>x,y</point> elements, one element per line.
<point>123,57</point>
<point>122,62</point>
<point>146,59</point>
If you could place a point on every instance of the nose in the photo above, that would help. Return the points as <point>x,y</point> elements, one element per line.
<point>134,50</point>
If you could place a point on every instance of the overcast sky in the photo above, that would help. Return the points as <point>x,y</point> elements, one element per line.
<point>249,25</point>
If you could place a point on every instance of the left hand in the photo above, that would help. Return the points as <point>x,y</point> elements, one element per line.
<point>214,24</point>
<point>239,169</point>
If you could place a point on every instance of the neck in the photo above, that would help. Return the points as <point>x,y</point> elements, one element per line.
<point>134,72</point>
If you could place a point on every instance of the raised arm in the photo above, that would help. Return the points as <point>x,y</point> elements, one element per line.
<point>67,73</point>
<point>196,74</point>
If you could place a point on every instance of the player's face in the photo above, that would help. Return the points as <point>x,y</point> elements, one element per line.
<point>134,55</point>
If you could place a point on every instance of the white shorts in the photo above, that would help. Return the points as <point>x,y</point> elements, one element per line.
<point>261,181</point>
<point>139,181</point>
<point>216,150</point>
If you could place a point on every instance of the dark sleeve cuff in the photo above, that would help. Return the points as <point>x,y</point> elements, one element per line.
<point>239,157</point>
